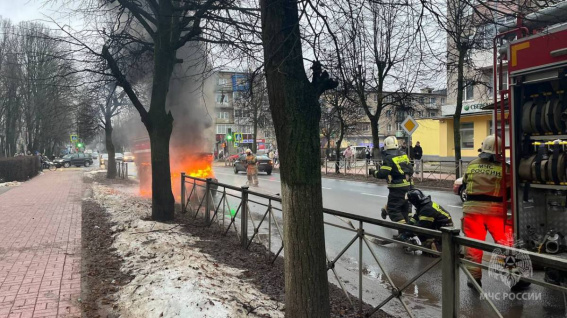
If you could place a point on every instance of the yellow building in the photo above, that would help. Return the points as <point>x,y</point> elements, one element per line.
<point>436,135</point>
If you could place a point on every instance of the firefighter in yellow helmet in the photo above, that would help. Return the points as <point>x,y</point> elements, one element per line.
<point>251,168</point>
<point>484,209</point>
<point>397,169</point>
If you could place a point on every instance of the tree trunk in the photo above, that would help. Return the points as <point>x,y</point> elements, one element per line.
<point>255,132</point>
<point>338,148</point>
<point>458,109</point>
<point>296,112</point>
<point>160,123</point>
<point>111,162</point>
<point>375,138</point>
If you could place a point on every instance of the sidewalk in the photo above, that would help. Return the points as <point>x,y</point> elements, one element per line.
<point>40,246</point>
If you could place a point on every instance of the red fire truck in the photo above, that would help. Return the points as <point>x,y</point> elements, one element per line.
<point>531,121</point>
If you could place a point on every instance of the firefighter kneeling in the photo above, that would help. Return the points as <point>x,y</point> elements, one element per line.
<point>398,171</point>
<point>484,209</point>
<point>429,215</point>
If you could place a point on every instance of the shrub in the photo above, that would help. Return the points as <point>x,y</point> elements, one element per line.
<point>19,168</point>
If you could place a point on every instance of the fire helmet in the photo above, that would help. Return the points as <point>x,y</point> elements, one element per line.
<point>248,150</point>
<point>488,148</point>
<point>417,198</point>
<point>391,143</point>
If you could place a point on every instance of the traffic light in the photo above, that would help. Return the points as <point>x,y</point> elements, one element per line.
<point>80,145</point>
<point>229,137</point>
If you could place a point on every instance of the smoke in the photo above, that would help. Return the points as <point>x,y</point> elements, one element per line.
<point>191,102</point>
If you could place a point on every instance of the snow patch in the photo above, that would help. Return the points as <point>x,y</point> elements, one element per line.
<point>173,278</point>
<point>10,184</point>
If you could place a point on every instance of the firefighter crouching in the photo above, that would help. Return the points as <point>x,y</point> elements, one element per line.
<point>251,168</point>
<point>398,171</point>
<point>484,209</point>
<point>429,215</point>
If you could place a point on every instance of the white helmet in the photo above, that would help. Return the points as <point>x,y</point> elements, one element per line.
<point>248,150</point>
<point>488,146</point>
<point>391,143</point>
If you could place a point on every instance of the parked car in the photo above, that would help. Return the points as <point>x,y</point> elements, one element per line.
<point>265,164</point>
<point>75,159</point>
<point>118,156</point>
<point>128,157</point>
<point>460,189</point>
<point>95,155</point>
<point>103,159</point>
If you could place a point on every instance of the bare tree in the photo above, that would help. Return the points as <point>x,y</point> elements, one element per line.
<point>294,103</point>
<point>252,105</point>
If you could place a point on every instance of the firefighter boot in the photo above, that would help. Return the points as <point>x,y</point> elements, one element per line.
<point>384,213</point>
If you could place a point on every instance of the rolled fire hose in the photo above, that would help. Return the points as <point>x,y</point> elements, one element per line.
<point>553,242</point>
<point>556,165</point>
<point>525,168</point>
<point>553,119</point>
<point>537,117</point>
<point>526,117</point>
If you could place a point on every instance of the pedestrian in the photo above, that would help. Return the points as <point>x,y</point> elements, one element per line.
<point>484,209</point>
<point>397,170</point>
<point>251,168</point>
<point>404,147</point>
<point>368,153</point>
<point>418,154</point>
<point>347,154</point>
<point>430,215</point>
<point>276,157</point>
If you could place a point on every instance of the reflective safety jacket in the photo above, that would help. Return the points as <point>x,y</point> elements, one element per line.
<point>431,216</point>
<point>251,167</point>
<point>484,193</point>
<point>396,169</point>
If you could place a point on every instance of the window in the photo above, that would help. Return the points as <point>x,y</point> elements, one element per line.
<point>388,99</point>
<point>222,98</point>
<point>432,101</point>
<point>421,100</point>
<point>389,127</point>
<point>432,114</point>
<point>506,131</point>
<point>469,91</point>
<point>223,129</point>
<point>388,113</point>
<point>400,126</point>
<point>443,100</point>
<point>223,81</point>
<point>364,127</point>
<point>467,135</point>
<point>223,115</point>
<point>237,113</point>
<point>236,95</point>
<point>484,36</point>
<point>245,129</point>
<point>420,114</point>
<point>375,97</point>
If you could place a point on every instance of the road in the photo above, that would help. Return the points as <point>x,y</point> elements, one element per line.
<point>424,296</point>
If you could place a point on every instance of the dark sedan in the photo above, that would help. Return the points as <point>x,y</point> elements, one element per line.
<point>75,159</point>
<point>265,164</point>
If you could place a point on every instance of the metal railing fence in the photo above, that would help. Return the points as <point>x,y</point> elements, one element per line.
<point>229,207</point>
<point>438,170</point>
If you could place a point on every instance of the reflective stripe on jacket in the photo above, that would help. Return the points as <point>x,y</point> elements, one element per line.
<point>431,216</point>
<point>484,193</point>
<point>396,169</point>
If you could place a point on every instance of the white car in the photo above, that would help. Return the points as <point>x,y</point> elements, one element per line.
<point>460,189</point>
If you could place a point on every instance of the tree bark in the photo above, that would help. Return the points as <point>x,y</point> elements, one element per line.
<point>255,127</point>
<point>160,123</point>
<point>338,148</point>
<point>458,109</point>
<point>111,162</point>
<point>375,137</point>
<point>296,113</point>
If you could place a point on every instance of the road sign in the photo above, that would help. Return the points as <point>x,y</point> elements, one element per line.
<point>235,144</point>
<point>237,136</point>
<point>409,125</point>
<point>74,139</point>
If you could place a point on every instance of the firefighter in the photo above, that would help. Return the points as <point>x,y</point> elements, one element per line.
<point>397,170</point>
<point>429,215</point>
<point>251,168</point>
<point>484,209</point>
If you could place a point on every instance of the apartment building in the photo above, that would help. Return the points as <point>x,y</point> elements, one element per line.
<point>424,104</point>
<point>232,115</point>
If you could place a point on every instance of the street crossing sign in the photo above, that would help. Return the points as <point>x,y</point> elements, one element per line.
<point>409,125</point>
<point>74,139</point>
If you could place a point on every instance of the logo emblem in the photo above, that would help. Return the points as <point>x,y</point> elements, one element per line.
<point>466,107</point>
<point>509,266</point>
